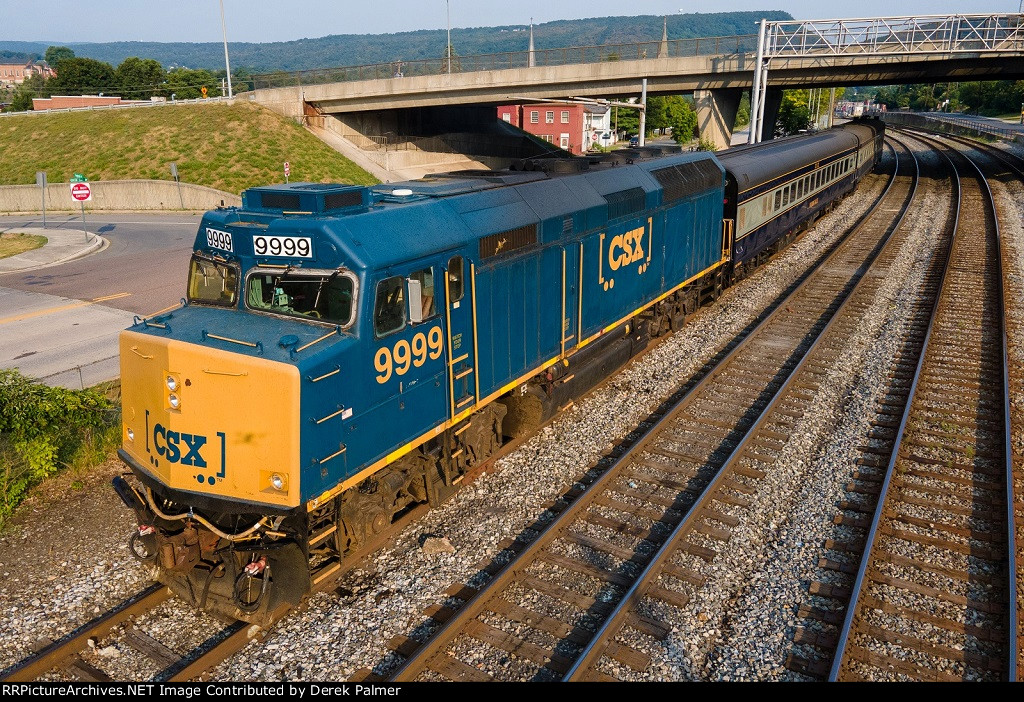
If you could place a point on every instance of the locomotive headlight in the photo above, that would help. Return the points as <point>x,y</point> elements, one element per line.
<point>174,400</point>
<point>131,435</point>
<point>277,481</point>
<point>172,383</point>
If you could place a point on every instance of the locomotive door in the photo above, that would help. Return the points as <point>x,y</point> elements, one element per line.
<point>571,284</point>
<point>460,298</point>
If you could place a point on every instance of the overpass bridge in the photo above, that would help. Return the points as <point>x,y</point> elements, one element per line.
<point>819,53</point>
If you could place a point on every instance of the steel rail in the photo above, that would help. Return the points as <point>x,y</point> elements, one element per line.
<point>592,654</point>
<point>35,665</point>
<point>869,549</point>
<point>453,627</point>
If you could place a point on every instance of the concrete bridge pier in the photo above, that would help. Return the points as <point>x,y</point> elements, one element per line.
<point>716,114</point>
<point>772,103</point>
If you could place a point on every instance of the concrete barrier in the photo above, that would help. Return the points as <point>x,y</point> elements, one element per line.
<point>117,195</point>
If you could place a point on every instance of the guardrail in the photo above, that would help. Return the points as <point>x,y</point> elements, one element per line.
<point>126,106</point>
<point>674,48</point>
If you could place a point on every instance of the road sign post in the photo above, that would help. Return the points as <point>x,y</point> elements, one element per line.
<point>174,172</point>
<point>41,182</point>
<point>82,193</point>
<point>287,171</point>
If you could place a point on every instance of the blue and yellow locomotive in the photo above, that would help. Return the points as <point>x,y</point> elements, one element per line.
<point>346,354</point>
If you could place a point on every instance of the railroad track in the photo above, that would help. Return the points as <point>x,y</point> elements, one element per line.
<point>638,532</point>
<point>65,653</point>
<point>934,593</point>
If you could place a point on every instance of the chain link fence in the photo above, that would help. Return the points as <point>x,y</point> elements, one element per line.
<point>86,375</point>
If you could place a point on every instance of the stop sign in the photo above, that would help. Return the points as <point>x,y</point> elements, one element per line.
<point>81,192</point>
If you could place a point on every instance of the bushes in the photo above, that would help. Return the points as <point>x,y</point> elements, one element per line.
<point>44,429</point>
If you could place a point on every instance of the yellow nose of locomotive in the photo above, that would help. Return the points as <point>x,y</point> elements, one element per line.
<point>210,422</point>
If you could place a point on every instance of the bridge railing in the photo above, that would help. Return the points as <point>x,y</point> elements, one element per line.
<point>944,34</point>
<point>676,48</point>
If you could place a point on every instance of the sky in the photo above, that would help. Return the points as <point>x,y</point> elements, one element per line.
<point>61,21</point>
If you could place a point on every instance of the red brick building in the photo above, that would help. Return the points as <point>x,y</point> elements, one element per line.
<point>16,73</point>
<point>558,123</point>
<point>62,102</point>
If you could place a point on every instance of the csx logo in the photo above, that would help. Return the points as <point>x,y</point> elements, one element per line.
<point>626,249</point>
<point>176,447</point>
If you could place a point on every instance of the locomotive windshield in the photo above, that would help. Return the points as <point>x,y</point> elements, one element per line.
<point>321,295</point>
<point>212,282</point>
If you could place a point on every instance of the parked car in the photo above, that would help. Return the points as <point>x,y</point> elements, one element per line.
<point>634,141</point>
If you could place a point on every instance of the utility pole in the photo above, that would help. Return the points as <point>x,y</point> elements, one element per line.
<point>755,92</point>
<point>533,58</point>
<point>643,113</point>
<point>448,6</point>
<point>227,63</point>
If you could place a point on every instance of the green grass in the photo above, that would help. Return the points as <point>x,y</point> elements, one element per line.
<point>228,147</point>
<point>14,243</point>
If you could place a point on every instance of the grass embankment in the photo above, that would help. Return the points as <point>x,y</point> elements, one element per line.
<point>44,430</point>
<point>228,147</point>
<point>14,243</point>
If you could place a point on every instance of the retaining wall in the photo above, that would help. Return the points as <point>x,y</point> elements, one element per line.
<point>117,195</point>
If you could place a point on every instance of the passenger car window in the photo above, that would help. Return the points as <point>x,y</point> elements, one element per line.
<point>778,199</point>
<point>456,283</point>
<point>389,309</point>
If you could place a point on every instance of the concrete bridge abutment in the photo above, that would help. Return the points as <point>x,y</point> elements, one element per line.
<point>716,114</point>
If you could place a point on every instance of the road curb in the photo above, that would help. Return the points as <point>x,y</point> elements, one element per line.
<point>98,244</point>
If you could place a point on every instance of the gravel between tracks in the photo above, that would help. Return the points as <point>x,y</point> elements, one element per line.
<point>337,634</point>
<point>739,625</point>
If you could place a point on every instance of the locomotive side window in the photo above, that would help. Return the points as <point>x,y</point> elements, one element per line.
<point>212,282</point>
<point>389,310</point>
<point>456,283</point>
<point>320,295</point>
<point>426,300</point>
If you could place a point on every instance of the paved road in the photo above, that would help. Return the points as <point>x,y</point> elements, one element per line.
<point>61,323</point>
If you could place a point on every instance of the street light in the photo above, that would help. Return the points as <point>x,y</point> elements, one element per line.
<point>227,63</point>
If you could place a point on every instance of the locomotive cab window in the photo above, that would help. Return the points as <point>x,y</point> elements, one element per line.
<point>389,309</point>
<point>212,282</point>
<point>325,296</point>
<point>456,282</point>
<point>421,295</point>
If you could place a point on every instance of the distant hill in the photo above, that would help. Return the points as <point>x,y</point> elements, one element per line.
<point>359,49</point>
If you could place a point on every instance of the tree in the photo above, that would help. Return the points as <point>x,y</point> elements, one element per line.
<point>33,87</point>
<point>681,116</point>
<point>56,54</point>
<point>187,84</point>
<point>743,112</point>
<point>81,76</point>
<point>138,79</point>
<point>793,116</point>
